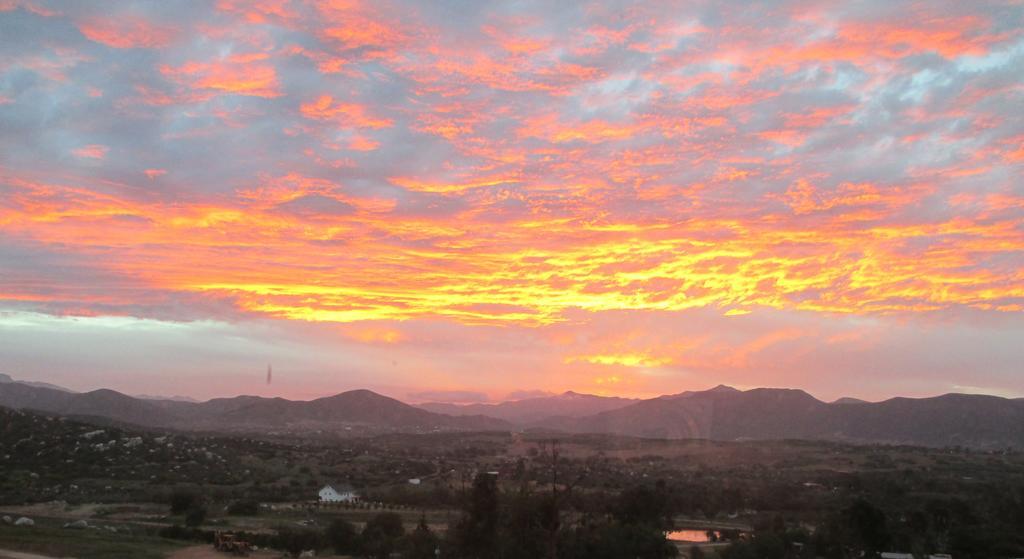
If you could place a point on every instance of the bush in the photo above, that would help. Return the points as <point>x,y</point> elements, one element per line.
<point>182,501</point>
<point>342,536</point>
<point>422,543</point>
<point>195,515</point>
<point>296,541</point>
<point>244,508</point>
<point>381,535</point>
<point>179,532</point>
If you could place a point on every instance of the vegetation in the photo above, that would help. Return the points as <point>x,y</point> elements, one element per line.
<point>865,530</point>
<point>585,496</point>
<point>52,540</point>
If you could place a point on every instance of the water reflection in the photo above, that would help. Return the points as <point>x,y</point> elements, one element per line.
<point>690,536</point>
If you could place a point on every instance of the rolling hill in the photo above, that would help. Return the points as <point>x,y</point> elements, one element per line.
<point>361,408</point>
<point>724,413</point>
<point>106,404</point>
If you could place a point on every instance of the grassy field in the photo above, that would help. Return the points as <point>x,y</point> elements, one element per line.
<point>52,540</point>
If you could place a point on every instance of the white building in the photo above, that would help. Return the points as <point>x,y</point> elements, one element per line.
<point>340,495</point>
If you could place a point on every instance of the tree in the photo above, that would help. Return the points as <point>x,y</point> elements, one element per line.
<point>422,542</point>
<point>615,540</point>
<point>381,535</point>
<point>342,536</point>
<point>640,516</point>
<point>296,541</point>
<point>645,505</point>
<point>740,550</point>
<point>476,533</point>
<point>195,515</point>
<point>526,525</point>
<point>868,526</point>
<point>244,507</point>
<point>181,501</point>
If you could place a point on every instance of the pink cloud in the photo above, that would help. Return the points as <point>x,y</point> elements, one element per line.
<point>247,75</point>
<point>125,32</point>
<point>91,151</point>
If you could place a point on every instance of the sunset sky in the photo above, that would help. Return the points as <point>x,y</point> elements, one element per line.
<point>470,201</point>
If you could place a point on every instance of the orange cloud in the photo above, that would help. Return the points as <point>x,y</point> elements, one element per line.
<point>623,359</point>
<point>375,335</point>
<point>550,128</point>
<point>485,173</point>
<point>804,198</point>
<point>258,11</point>
<point>361,143</point>
<point>532,271</point>
<point>238,75</point>
<point>419,185</point>
<point>345,114</point>
<point>126,32</point>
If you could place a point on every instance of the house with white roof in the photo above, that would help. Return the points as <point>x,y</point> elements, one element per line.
<point>338,494</point>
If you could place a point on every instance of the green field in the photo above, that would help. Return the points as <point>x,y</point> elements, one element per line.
<point>50,539</point>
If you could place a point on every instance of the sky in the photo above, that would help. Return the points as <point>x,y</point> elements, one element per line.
<point>472,201</point>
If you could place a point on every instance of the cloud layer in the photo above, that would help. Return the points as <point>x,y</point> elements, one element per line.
<point>646,197</point>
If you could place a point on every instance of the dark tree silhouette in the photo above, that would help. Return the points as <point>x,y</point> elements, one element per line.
<point>381,535</point>
<point>422,542</point>
<point>342,536</point>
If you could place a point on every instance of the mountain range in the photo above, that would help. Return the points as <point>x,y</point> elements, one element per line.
<point>533,410</point>
<point>361,410</point>
<point>722,413</point>
<point>7,379</point>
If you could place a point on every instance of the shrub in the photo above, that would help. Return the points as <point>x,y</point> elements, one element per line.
<point>244,507</point>
<point>182,501</point>
<point>195,515</point>
<point>342,536</point>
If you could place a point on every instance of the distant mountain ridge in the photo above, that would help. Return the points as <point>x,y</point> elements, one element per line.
<point>722,413</point>
<point>171,398</point>
<point>531,410</point>
<point>102,403</point>
<point>774,413</point>
<point>362,409</point>
<point>850,401</point>
<point>7,379</point>
<point>352,407</point>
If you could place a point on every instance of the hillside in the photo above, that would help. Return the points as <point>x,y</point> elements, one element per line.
<point>360,409</point>
<point>764,413</point>
<point>106,404</point>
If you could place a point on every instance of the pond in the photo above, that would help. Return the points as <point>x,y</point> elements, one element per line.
<point>690,536</point>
